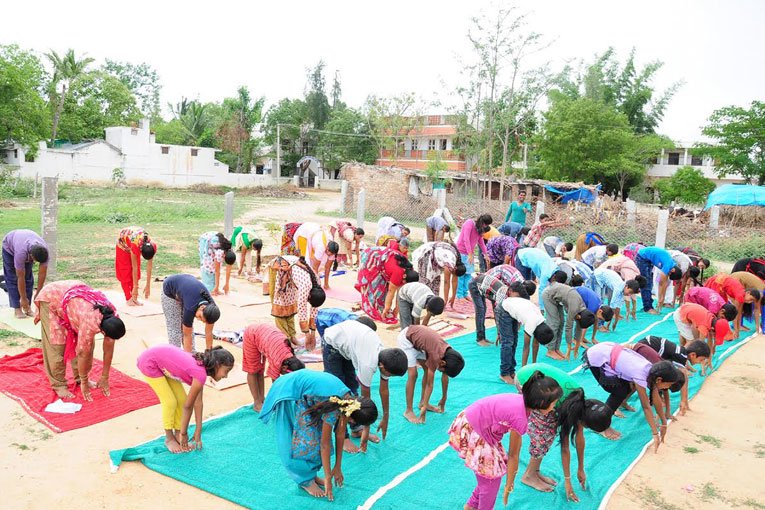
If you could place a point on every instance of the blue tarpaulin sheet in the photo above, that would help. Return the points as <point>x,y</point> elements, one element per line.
<point>737,194</point>
<point>583,195</point>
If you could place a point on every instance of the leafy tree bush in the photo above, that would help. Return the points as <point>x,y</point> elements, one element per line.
<point>687,186</point>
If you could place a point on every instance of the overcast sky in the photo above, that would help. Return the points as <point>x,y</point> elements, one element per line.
<point>207,49</point>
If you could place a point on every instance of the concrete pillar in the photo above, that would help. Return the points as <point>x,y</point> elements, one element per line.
<point>685,158</point>
<point>540,210</point>
<point>631,209</point>
<point>714,217</point>
<point>228,215</point>
<point>343,195</point>
<point>296,181</point>
<point>441,198</point>
<point>316,183</point>
<point>360,208</point>
<point>661,228</point>
<point>50,222</point>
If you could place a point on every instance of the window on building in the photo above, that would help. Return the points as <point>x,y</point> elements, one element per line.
<point>194,152</point>
<point>431,144</point>
<point>443,144</point>
<point>134,131</point>
<point>673,158</point>
<point>165,149</point>
<point>15,154</point>
<point>697,161</point>
<point>415,144</point>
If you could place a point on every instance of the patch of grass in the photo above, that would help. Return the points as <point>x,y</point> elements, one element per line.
<point>746,382</point>
<point>759,450</point>
<point>23,447</point>
<point>39,434</point>
<point>709,492</point>
<point>717,443</point>
<point>751,503</point>
<point>655,499</point>
<point>691,449</point>
<point>90,218</point>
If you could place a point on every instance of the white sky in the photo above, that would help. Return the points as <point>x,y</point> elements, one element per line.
<point>208,49</point>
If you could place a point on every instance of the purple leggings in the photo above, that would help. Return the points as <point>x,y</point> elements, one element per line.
<point>485,494</point>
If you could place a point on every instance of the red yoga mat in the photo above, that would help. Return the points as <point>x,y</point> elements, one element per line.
<point>23,379</point>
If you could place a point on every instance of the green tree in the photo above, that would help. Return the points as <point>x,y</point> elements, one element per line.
<point>194,117</point>
<point>235,133</point>
<point>739,135</point>
<point>291,116</point>
<point>347,138</point>
<point>23,114</point>
<point>67,69</point>
<point>625,87</point>
<point>337,91</point>
<point>317,104</point>
<point>95,101</point>
<point>588,140</point>
<point>170,132</point>
<point>142,80</point>
<point>688,186</point>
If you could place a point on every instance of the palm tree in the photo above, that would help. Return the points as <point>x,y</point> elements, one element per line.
<point>66,70</point>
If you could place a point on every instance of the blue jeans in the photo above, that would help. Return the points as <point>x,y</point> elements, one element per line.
<point>337,365</point>
<point>646,271</point>
<point>12,283</point>
<point>479,305</point>
<point>507,329</point>
<point>464,280</point>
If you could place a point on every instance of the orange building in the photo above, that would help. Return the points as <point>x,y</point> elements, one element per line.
<point>434,136</point>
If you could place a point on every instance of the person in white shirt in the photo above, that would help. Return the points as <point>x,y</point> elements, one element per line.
<point>528,315</point>
<point>352,352</point>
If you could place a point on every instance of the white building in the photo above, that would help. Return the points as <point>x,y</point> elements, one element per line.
<point>134,151</point>
<point>670,160</point>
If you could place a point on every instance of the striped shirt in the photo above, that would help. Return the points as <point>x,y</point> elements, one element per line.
<point>491,288</point>
<point>666,350</point>
<point>608,279</point>
<point>264,342</point>
<point>506,273</point>
<point>417,294</point>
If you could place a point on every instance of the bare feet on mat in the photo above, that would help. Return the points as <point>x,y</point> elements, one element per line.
<point>547,479</point>
<point>349,446</point>
<point>611,433</point>
<point>619,414</point>
<point>412,418</point>
<point>19,314</point>
<point>483,343</point>
<point>374,438</point>
<point>434,409</point>
<point>173,445</point>
<point>257,406</point>
<point>509,379</point>
<point>319,481</point>
<point>555,355</point>
<point>628,407</point>
<point>535,482</point>
<point>63,393</point>
<point>653,312</point>
<point>468,507</point>
<point>313,489</point>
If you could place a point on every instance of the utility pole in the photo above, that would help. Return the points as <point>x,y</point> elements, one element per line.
<point>278,151</point>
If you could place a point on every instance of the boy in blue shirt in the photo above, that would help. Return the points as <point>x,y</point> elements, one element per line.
<point>646,259</point>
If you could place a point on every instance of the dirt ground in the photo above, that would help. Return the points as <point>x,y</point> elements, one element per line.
<point>714,457</point>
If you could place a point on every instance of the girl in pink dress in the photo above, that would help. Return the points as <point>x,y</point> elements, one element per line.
<point>477,433</point>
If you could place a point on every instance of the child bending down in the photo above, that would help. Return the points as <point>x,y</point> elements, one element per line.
<point>476,434</point>
<point>571,415</point>
<point>165,368</point>
<point>264,342</point>
<point>427,348</point>
<point>307,407</point>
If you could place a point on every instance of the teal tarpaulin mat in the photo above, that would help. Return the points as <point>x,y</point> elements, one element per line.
<point>413,467</point>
